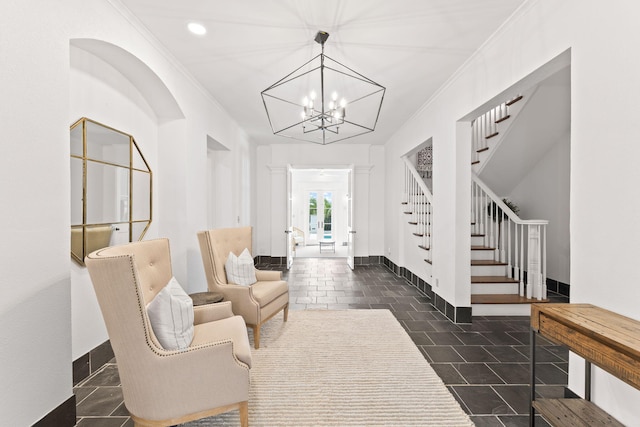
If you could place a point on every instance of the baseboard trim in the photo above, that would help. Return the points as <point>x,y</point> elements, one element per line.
<point>62,416</point>
<point>455,314</point>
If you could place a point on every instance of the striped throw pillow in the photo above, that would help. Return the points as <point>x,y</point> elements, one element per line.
<point>240,269</point>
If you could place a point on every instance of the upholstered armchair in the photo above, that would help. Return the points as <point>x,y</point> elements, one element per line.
<point>167,387</point>
<point>256,303</point>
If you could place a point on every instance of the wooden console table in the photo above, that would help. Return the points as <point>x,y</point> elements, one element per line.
<point>601,337</point>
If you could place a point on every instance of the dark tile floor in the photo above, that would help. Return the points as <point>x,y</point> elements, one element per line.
<point>485,364</point>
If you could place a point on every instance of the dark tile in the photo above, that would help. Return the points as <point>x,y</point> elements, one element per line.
<point>474,354</point>
<point>103,402</point>
<point>444,325</point>
<point>477,373</point>
<point>422,315</point>
<point>442,353</point>
<point>517,396</point>
<point>102,422</point>
<point>522,337</point>
<point>82,392</point>
<point>521,421</point>
<point>500,338</point>
<point>482,400</point>
<point>505,353</point>
<point>561,352</point>
<point>548,373</point>
<point>472,338</point>
<point>418,325</point>
<point>512,373</point>
<point>486,421</point>
<point>121,411</point>
<point>107,376</point>
<point>420,338</point>
<point>448,373</point>
<point>551,391</point>
<point>444,338</point>
<point>542,354</point>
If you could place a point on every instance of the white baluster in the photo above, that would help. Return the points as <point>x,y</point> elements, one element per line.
<point>543,279</point>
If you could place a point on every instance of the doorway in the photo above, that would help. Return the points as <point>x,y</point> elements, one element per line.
<point>320,212</point>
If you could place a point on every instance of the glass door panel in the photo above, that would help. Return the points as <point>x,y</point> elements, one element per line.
<point>320,218</point>
<point>327,217</point>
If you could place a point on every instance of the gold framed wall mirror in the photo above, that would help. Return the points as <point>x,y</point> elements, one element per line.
<point>111,185</point>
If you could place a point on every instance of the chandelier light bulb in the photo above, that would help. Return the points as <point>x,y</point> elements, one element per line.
<point>303,115</point>
<point>305,101</point>
<point>312,95</point>
<point>332,105</point>
<point>343,102</point>
<point>334,96</point>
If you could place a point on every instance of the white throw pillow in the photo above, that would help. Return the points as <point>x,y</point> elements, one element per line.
<point>171,316</point>
<point>240,269</point>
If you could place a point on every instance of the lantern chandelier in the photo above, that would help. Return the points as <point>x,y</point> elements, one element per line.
<point>323,101</point>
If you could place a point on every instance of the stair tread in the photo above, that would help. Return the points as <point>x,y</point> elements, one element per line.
<point>502,119</point>
<point>482,248</point>
<point>503,299</point>
<point>491,135</point>
<point>423,247</point>
<point>514,100</point>
<point>486,262</point>
<point>427,261</point>
<point>476,235</point>
<point>492,279</point>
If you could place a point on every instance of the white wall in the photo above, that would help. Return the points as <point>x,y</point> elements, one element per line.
<point>49,314</point>
<point>604,82</point>
<point>271,191</point>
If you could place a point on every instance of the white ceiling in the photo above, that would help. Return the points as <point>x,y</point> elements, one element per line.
<point>409,46</point>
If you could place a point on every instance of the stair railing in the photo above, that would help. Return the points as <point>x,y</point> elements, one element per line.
<point>485,127</point>
<point>521,244</point>
<point>418,201</point>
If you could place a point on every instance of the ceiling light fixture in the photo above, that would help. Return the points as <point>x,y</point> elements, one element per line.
<point>197,29</point>
<point>323,101</point>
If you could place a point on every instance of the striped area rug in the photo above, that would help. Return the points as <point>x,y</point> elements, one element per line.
<point>342,368</point>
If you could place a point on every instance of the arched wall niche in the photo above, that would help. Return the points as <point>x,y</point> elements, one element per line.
<point>141,76</point>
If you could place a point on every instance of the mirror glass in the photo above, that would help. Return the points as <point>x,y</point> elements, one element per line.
<point>110,188</point>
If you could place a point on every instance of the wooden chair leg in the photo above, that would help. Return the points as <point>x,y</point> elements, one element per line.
<point>286,312</point>
<point>256,337</point>
<point>244,414</point>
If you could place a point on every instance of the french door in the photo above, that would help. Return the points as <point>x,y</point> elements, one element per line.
<point>320,216</point>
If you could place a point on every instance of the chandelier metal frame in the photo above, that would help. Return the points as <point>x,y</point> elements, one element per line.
<point>328,120</point>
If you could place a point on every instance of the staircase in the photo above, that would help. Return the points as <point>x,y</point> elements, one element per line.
<point>508,257</point>
<point>490,129</point>
<point>499,259</point>
<point>417,204</point>
<point>508,254</point>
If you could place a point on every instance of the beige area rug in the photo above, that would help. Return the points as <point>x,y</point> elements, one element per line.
<point>342,368</point>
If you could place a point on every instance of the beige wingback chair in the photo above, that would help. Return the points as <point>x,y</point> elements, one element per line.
<point>167,387</point>
<point>256,303</point>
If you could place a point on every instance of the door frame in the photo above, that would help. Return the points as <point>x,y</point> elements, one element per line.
<point>350,168</point>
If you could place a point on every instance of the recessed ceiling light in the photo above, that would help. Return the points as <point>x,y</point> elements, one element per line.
<point>197,29</point>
